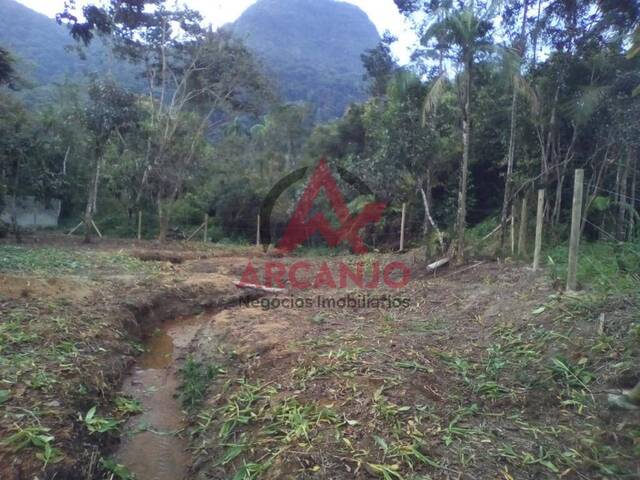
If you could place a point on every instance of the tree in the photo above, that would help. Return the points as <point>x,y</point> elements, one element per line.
<point>110,113</point>
<point>379,65</point>
<point>8,75</point>
<point>408,162</point>
<point>120,19</point>
<point>465,34</point>
<point>520,49</point>
<point>199,86</point>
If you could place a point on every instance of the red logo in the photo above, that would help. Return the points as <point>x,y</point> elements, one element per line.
<point>302,228</point>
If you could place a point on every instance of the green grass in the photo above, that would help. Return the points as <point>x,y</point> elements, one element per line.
<point>196,378</point>
<point>606,267</point>
<point>52,261</point>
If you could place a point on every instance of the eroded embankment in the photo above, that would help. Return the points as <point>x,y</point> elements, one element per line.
<point>65,355</point>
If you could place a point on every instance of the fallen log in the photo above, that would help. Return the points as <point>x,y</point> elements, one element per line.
<point>260,288</point>
<point>436,265</point>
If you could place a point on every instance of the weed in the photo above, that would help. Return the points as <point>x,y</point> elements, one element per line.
<point>196,378</point>
<point>386,409</point>
<point>5,395</point>
<point>386,472</point>
<point>128,406</point>
<point>292,421</point>
<point>251,471</point>
<point>414,366</point>
<point>571,375</point>
<point>455,429</point>
<point>42,381</point>
<point>36,437</point>
<point>97,424</point>
<point>117,470</point>
<point>239,409</point>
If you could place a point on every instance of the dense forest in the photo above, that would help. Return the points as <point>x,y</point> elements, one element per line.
<point>312,48</point>
<point>501,98</point>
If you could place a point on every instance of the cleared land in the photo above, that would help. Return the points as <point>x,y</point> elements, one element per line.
<point>489,373</point>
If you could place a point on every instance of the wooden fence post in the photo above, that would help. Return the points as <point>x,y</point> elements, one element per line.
<point>574,241</point>
<point>522,236</point>
<point>513,229</point>
<point>539,220</point>
<point>258,231</point>
<point>139,224</point>
<point>404,213</point>
<point>206,228</point>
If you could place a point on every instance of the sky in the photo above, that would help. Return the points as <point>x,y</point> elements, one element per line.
<point>383,13</point>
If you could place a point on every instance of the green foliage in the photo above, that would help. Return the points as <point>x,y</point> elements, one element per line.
<point>38,438</point>
<point>45,58</point>
<point>576,376</point>
<point>128,406</point>
<point>313,48</point>
<point>208,137</point>
<point>98,424</point>
<point>117,470</point>
<point>607,267</point>
<point>196,378</point>
<point>7,70</point>
<point>55,261</point>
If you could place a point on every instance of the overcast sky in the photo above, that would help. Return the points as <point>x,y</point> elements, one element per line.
<point>383,13</point>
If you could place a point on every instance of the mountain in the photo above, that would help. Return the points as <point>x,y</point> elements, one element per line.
<point>46,54</point>
<point>313,49</point>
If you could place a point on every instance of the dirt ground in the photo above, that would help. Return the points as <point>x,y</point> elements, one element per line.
<point>487,373</point>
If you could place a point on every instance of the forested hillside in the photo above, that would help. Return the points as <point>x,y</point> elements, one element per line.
<point>313,48</point>
<point>46,55</point>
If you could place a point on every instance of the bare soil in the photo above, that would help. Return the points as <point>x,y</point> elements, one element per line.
<point>488,373</point>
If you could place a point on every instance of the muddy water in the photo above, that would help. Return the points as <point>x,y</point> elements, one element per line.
<point>153,445</point>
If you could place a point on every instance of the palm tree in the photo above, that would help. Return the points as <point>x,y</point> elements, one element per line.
<point>463,33</point>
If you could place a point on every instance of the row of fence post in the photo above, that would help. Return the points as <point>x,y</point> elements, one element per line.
<point>574,241</point>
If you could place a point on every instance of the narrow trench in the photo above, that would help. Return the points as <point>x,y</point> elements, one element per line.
<point>154,446</point>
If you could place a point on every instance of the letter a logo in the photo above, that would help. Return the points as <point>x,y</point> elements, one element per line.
<point>301,228</point>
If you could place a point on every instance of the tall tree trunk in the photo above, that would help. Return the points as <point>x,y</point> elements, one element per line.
<point>506,202</point>
<point>622,199</point>
<point>557,206</point>
<point>163,220</point>
<point>464,174</point>
<point>508,184</point>
<point>92,199</point>
<point>428,218</point>
<point>14,208</point>
<point>632,199</point>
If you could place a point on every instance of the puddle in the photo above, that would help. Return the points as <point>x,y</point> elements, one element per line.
<point>153,446</point>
